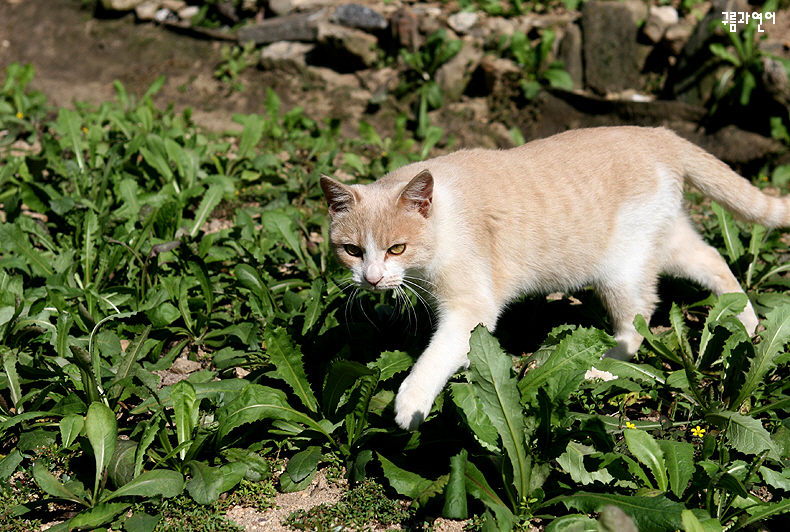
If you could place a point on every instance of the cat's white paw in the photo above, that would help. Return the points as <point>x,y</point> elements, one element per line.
<point>749,319</point>
<point>412,404</point>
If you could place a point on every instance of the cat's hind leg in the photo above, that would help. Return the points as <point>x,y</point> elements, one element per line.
<point>690,257</point>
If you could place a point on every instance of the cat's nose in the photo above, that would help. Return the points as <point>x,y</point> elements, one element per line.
<point>374,279</point>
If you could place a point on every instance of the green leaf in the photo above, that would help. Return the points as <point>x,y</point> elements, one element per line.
<point>249,279</point>
<point>729,231</point>
<point>52,486</point>
<point>646,450</point>
<point>210,200</point>
<point>200,271</point>
<point>120,470</point>
<point>564,370</point>
<point>726,305</point>
<point>465,398</point>
<point>679,462</point>
<point>409,484</point>
<point>763,512</point>
<point>287,358</point>
<point>14,240</point>
<point>102,431</point>
<point>490,373</point>
<point>303,463</point>
<point>159,482</point>
<point>315,304</point>
<point>573,523</point>
<point>650,514</point>
<point>455,494</point>
<point>9,366</point>
<point>572,461</point>
<point>342,376</point>
<point>185,412</point>
<point>95,517</point>
<point>70,427</point>
<point>744,433</point>
<point>772,342</point>
<point>256,402</point>
<point>478,487</point>
<point>390,363</point>
<point>208,483</point>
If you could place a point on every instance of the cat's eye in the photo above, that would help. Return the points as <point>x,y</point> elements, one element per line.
<point>353,250</point>
<point>397,249</point>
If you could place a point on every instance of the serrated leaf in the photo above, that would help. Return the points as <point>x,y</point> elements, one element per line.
<point>287,358</point>
<point>572,461</point>
<point>646,450</point>
<point>70,427</point>
<point>208,483</point>
<point>746,434</point>
<point>390,363</point>
<point>465,398</point>
<point>490,373</point>
<point>726,305</point>
<point>650,514</point>
<point>565,368</point>
<point>455,494</point>
<point>342,375</point>
<point>730,232</point>
<point>13,239</point>
<point>679,462</point>
<point>257,402</point>
<point>409,484</point>
<point>773,340</point>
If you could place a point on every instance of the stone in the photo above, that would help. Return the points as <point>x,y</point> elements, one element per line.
<point>284,7</point>
<point>677,35</point>
<point>356,47</point>
<point>147,10</point>
<point>120,5</point>
<point>174,5</point>
<point>454,75</point>
<point>188,12</point>
<point>498,26</point>
<point>613,57</point>
<point>296,27</point>
<point>660,18</point>
<point>462,21</point>
<point>358,16</point>
<point>286,55</point>
<point>570,53</point>
<point>405,30</point>
<point>496,70</point>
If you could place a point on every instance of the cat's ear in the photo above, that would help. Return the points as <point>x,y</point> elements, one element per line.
<point>418,194</point>
<point>339,196</point>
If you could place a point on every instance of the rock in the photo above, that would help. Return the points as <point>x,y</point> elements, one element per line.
<point>660,18</point>
<point>405,30</point>
<point>147,10</point>
<point>498,26</point>
<point>296,27</point>
<point>358,16</point>
<point>174,5</point>
<point>120,5</point>
<point>462,21</point>
<point>454,75</point>
<point>353,48</point>
<point>188,12</point>
<point>284,7</point>
<point>165,15</point>
<point>677,35</point>
<point>570,53</point>
<point>613,57</point>
<point>286,55</point>
<point>184,366</point>
<point>495,71</point>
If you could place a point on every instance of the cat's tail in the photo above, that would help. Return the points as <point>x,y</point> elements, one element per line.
<point>721,184</point>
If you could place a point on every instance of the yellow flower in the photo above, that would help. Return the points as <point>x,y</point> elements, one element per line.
<point>698,431</point>
<point>84,129</point>
<point>20,115</point>
<point>629,425</point>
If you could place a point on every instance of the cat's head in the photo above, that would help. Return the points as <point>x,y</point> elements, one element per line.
<point>379,231</point>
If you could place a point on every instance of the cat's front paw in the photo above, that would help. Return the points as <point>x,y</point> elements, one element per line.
<point>412,404</point>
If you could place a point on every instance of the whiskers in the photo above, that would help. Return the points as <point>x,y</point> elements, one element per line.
<point>404,304</point>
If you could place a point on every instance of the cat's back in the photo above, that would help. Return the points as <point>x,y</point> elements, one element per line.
<point>596,163</point>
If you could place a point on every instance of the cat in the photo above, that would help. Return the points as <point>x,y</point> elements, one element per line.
<point>478,228</point>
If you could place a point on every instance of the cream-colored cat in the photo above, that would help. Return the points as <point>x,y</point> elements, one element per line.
<point>478,228</point>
